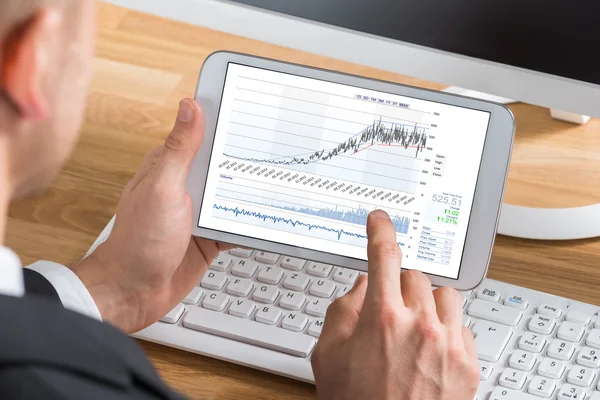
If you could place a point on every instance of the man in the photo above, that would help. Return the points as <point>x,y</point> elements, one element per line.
<point>390,337</point>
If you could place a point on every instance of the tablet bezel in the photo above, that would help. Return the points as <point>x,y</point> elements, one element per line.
<point>489,189</point>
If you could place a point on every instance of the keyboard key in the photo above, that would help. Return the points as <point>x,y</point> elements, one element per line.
<point>294,322</point>
<point>193,297</point>
<point>570,331</point>
<point>241,308</point>
<point>319,269</point>
<point>491,340</point>
<point>215,301</point>
<point>342,290</point>
<point>239,287</point>
<point>550,310</point>
<point>512,378</point>
<point>297,282</point>
<point>292,301</point>
<point>522,360</point>
<point>532,342</point>
<point>494,312</point>
<point>488,294</point>
<point>267,258</point>
<point>466,321</point>
<point>516,302</point>
<point>214,280</point>
<point>578,317</point>
<point>248,331</point>
<point>501,393</point>
<point>550,368</point>
<point>317,307</point>
<point>570,392</point>
<point>315,328</point>
<point>560,350</point>
<point>221,263</point>
<point>322,288</point>
<point>268,315</point>
<point>581,376</point>
<point>345,276</point>
<point>266,294</point>
<point>173,316</point>
<point>295,264</point>
<point>541,386</point>
<point>541,324</point>
<point>588,357</point>
<point>242,253</point>
<point>271,275</point>
<point>485,370</point>
<point>244,268</point>
<point>593,339</point>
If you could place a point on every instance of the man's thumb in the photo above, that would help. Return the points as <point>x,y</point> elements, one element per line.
<point>183,143</point>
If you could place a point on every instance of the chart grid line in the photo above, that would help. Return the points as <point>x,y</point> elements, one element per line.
<point>327,93</point>
<point>329,105</point>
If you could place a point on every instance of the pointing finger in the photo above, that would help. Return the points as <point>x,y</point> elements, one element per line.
<point>385,260</point>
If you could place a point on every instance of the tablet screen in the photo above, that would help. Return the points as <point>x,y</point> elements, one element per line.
<point>302,162</point>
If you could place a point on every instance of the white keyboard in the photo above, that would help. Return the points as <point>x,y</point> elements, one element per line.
<point>266,311</point>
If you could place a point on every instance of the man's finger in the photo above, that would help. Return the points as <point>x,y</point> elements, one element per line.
<point>469,342</point>
<point>416,292</point>
<point>448,303</point>
<point>147,166</point>
<point>183,143</point>
<point>385,260</point>
<point>343,315</point>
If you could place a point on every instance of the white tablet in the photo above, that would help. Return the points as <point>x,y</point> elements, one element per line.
<point>295,158</point>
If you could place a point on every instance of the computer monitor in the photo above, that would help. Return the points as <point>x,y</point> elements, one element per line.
<point>533,51</point>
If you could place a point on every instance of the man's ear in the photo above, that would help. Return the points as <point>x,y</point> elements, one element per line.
<point>25,60</point>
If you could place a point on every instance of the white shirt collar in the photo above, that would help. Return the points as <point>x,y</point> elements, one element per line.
<point>11,274</point>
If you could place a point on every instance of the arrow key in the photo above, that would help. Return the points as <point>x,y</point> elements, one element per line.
<point>541,386</point>
<point>560,350</point>
<point>581,376</point>
<point>589,357</point>
<point>485,369</point>
<point>522,360</point>
<point>570,392</point>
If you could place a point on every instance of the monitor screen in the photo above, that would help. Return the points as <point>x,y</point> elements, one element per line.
<point>302,162</point>
<point>554,36</point>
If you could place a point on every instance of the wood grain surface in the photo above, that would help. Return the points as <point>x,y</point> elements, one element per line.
<point>145,65</point>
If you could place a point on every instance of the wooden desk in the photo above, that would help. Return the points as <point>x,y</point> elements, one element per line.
<point>145,64</point>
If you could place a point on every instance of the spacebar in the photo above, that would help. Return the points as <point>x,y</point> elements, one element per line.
<point>247,331</point>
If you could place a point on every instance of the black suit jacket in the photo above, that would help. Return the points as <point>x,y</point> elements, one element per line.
<point>48,352</point>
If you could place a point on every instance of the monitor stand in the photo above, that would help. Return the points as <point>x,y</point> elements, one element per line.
<point>556,114</point>
<point>544,223</point>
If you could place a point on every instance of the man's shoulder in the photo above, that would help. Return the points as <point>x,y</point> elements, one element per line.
<point>41,334</point>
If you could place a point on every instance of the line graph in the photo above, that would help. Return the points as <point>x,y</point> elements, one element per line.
<point>383,154</point>
<point>377,134</point>
<point>353,216</point>
<point>338,234</point>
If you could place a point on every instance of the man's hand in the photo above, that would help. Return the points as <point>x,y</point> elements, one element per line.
<point>151,262</point>
<point>391,337</point>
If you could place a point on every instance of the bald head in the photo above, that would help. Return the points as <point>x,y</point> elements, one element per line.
<point>46,49</point>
